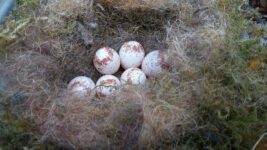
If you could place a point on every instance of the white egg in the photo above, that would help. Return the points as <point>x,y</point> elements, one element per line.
<point>82,86</point>
<point>154,63</point>
<point>133,76</point>
<point>106,85</point>
<point>107,61</point>
<point>131,54</point>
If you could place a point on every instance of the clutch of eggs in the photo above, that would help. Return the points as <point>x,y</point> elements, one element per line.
<point>107,61</point>
<point>133,76</point>
<point>154,63</point>
<point>106,85</point>
<point>131,54</point>
<point>81,86</point>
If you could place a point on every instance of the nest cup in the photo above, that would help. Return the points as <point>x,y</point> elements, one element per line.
<point>52,53</point>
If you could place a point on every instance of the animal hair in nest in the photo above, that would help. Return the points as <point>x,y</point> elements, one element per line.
<point>32,69</point>
<point>133,117</point>
<point>129,119</point>
<point>77,123</point>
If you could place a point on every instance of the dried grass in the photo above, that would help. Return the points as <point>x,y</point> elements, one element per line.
<point>133,116</point>
<point>197,34</point>
<point>51,53</point>
<point>64,8</point>
<point>144,4</point>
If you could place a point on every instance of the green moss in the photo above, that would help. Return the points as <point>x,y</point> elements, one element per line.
<point>67,30</point>
<point>20,18</point>
<point>14,133</point>
<point>25,8</point>
<point>232,109</point>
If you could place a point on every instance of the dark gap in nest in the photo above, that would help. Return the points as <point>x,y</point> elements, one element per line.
<point>78,63</point>
<point>114,27</point>
<point>117,26</point>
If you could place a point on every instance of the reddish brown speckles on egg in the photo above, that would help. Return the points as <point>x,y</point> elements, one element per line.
<point>138,48</point>
<point>163,62</point>
<point>133,48</point>
<point>133,76</point>
<point>79,84</point>
<point>109,50</point>
<point>129,78</point>
<point>104,61</point>
<point>109,82</point>
<point>106,85</point>
<point>131,54</point>
<point>76,84</point>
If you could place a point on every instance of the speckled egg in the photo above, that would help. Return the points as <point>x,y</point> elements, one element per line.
<point>107,61</point>
<point>82,86</point>
<point>106,85</point>
<point>133,76</point>
<point>131,54</point>
<point>154,63</point>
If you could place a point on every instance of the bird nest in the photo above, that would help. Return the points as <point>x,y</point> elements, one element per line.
<point>59,44</point>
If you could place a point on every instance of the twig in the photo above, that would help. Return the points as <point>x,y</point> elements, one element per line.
<point>257,143</point>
